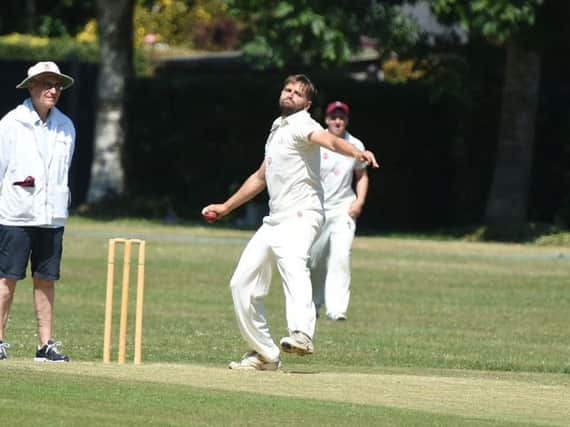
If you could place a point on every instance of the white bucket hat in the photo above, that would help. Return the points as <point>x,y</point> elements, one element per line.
<point>48,68</point>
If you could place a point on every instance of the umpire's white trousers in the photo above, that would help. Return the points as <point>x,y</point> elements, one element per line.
<point>287,244</point>
<point>330,264</point>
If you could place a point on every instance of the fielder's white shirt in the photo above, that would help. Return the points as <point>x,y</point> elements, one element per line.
<point>292,165</point>
<point>337,171</point>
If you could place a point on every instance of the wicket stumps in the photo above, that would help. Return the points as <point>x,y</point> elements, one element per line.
<point>127,243</point>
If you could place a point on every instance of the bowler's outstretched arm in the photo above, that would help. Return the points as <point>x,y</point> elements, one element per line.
<point>339,145</point>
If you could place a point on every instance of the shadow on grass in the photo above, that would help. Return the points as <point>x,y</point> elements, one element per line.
<point>161,210</point>
<point>543,233</point>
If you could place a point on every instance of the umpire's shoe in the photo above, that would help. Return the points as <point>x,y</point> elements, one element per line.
<point>3,347</point>
<point>50,353</point>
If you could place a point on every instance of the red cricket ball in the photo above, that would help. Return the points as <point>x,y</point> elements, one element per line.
<point>210,216</point>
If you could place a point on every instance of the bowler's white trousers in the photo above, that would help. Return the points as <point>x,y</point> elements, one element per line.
<point>287,244</point>
<point>330,264</point>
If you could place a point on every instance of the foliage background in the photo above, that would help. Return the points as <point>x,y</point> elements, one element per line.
<point>435,136</point>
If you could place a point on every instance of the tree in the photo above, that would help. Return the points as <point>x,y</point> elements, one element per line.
<point>323,32</point>
<point>507,203</point>
<point>327,32</point>
<point>115,25</point>
<point>507,23</point>
<point>52,18</point>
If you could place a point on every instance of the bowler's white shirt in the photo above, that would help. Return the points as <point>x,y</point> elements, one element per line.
<point>292,165</point>
<point>337,173</point>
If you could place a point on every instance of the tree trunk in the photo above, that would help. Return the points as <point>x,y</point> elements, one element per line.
<point>31,15</point>
<point>507,203</point>
<point>115,24</point>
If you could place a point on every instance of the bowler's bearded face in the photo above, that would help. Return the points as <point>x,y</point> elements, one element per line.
<point>293,98</point>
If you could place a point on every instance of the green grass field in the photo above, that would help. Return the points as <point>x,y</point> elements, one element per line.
<point>440,333</point>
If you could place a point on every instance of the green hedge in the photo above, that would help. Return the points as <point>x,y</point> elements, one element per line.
<point>27,47</point>
<point>193,139</point>
<point>36,48</point>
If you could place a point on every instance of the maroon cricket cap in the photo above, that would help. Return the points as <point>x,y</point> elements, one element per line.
<point>337,105</point>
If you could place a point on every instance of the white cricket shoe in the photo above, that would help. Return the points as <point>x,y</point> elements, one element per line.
<point>336,316</point>
<point>253,361</point>
<point>298,343</point>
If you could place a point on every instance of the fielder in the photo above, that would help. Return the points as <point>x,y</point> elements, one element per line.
<point>290,171</point>
<point>331,253</point>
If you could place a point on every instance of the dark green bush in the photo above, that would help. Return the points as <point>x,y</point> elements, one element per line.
<point>195,138</point>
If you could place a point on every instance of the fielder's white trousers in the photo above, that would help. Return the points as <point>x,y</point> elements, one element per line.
<point>330,264</point>
<point>286,244</point>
